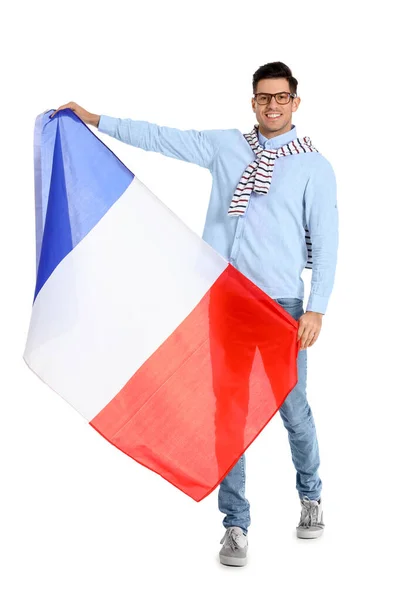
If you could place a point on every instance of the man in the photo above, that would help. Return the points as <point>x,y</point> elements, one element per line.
<point>272,212</point>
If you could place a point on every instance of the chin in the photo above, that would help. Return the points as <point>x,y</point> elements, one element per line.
<point>277,124</point>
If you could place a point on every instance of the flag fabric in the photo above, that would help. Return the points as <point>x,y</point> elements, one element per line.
<point>166,349</point>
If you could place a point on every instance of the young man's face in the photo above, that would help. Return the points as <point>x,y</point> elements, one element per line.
<point>270,126</point>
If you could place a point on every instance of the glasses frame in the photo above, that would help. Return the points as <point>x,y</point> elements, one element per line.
<point>291,95</point>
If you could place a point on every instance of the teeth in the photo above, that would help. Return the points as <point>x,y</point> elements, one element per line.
<point>273,115</point>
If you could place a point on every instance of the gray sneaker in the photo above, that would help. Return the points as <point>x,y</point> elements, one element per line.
<point>311,520</point>
<point>234,550</point>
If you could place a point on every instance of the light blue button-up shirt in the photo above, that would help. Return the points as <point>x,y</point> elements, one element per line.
<point>267,243</point>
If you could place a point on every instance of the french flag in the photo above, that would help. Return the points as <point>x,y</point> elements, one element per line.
<point>167,350</point>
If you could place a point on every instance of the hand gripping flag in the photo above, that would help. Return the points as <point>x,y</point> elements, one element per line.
<point>168,351</point>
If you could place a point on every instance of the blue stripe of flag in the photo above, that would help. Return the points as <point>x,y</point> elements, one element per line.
<point>86,179</point>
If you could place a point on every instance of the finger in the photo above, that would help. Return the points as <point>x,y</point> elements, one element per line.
<point>314,339</point>
<point>302,340</point>
<point>309,339</point>
<point>306,337</point>
<point>61,108</point>
<point>300,331</point>
<point>316,332</point>
<point>55,112</point>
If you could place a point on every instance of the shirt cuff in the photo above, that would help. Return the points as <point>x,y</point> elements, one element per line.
<point>107,124</point>
<point>317,303</point>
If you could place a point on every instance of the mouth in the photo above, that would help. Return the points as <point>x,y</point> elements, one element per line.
<point>273,116</point>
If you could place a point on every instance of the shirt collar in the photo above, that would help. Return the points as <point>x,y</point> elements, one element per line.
<point>279,140</point>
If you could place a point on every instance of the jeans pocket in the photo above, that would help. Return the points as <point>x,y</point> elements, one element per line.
<point>290,302</point>
<point>294,306</point>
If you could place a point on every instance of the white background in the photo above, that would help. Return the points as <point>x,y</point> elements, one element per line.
<point>80,519</point>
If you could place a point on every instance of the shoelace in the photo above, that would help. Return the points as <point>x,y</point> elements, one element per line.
<point>232,538</point>
<point>309,513</point>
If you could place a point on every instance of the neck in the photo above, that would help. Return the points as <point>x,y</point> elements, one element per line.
<point>271,134</point>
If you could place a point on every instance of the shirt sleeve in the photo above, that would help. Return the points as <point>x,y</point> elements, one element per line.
<point>198,147</point>
<point>323,224</point>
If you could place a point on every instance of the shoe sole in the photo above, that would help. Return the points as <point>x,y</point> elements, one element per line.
<point>309,534</point>
<point>232,561</point>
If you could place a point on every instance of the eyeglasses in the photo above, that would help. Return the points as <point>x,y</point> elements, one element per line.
<point>280,97</point>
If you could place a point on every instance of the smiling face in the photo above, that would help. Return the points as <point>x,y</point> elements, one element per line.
<point>274,118</point>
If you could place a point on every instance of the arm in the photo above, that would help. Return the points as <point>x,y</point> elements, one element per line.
<point>198,147</point>
<point>322,219</point>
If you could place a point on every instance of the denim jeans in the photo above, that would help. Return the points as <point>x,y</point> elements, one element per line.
<point>299,422</point>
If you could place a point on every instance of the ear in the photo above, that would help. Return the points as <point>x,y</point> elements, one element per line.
<point>296,103</point>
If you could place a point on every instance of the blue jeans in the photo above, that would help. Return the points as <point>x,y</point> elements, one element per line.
<point>299,422</point>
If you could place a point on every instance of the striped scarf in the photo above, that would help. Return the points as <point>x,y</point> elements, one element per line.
<point>257,176</point>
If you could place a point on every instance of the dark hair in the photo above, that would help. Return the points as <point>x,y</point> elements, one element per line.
<point>274,70</point>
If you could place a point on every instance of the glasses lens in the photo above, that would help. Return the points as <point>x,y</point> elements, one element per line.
<point>283,98</point>
<point>263,98</point>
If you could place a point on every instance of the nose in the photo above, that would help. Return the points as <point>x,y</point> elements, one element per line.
<point>273,105</point>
